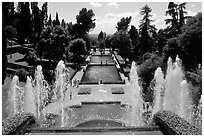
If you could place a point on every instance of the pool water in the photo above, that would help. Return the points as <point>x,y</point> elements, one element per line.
<point>104,73</point>
<point>104,59</point>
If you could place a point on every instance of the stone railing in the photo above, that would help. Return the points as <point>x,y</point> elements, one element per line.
<point>18,124</point>
<point>171,124</point>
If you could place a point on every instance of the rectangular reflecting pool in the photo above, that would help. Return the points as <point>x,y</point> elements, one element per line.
<point>104,59</point>
<point>105,73</point>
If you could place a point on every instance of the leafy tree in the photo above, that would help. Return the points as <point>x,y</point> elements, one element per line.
<point>24,27</point>
<point>172,49</point>
<point>145,29</point>
<point>121,40</point>
<point>134,36</point>
<point>84,22</point>
<point>78,48</point>
<point>191,41</point>
<point>124,23</point>
<point>161,40</point>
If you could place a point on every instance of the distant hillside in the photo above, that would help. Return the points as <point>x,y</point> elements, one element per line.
<point>93,37</point>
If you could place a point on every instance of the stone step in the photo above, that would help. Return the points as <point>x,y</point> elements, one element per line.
<point>148,130</point>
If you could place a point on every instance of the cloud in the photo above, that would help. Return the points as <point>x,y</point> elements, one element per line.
<point>191,13</point>
<point>113,4</point>
<point>96,4</point>
<point>109,21</point>
<point>193,5</point>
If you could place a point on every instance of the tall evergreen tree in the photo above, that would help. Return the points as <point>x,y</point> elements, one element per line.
<point>44,15</point>
<point>36,18</point>
<point>182,18</point>
<point>63,23</point>
<point>56,22</point>
<point>24,27</point>
<point>134,36</point>
<point>49,21</point>
<point>146,29</point>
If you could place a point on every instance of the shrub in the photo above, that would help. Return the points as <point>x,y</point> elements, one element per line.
<point>171,124</point>
<point>147,69</point>
<point>17,124</point>
<point>11,32</point>
<point>30,57</point>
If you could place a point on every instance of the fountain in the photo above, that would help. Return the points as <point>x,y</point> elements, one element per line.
<point>41,89</point>
<point>60,87</point>
<point>158,90</point>
<point>20,98</point>
<point>172,93</point>
<point>137,101</point>
<point>12,102</point>
<point>29,101</point>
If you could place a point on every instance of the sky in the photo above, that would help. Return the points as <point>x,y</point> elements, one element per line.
<point>107,14</point>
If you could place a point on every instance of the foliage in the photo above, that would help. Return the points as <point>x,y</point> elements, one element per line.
<point>176,11</point>
<point>134,36</point>
<point>87,39</point>
<point>44,15</point>
<point>84,22</point>
<point>42,47</point>
<point>147,68</point>
<point>10,32</point>
<point>172,49</point>
<point>30,58</point>
<point>56,22</point>
<point>36,19</point>
<point>78,48</point>
<point>52,43</point>
<point>123,24</point>
<point>108,41</point>
<point>146,41</point>
<point>63,23</point>
<point>172,124</point>
<point>101,39</point>
<point>24,27</point>
<point>191,41</point>
<point>188,45</point>
<point>121,40</point>
<point>161,40</point>
<point>49,23</point>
